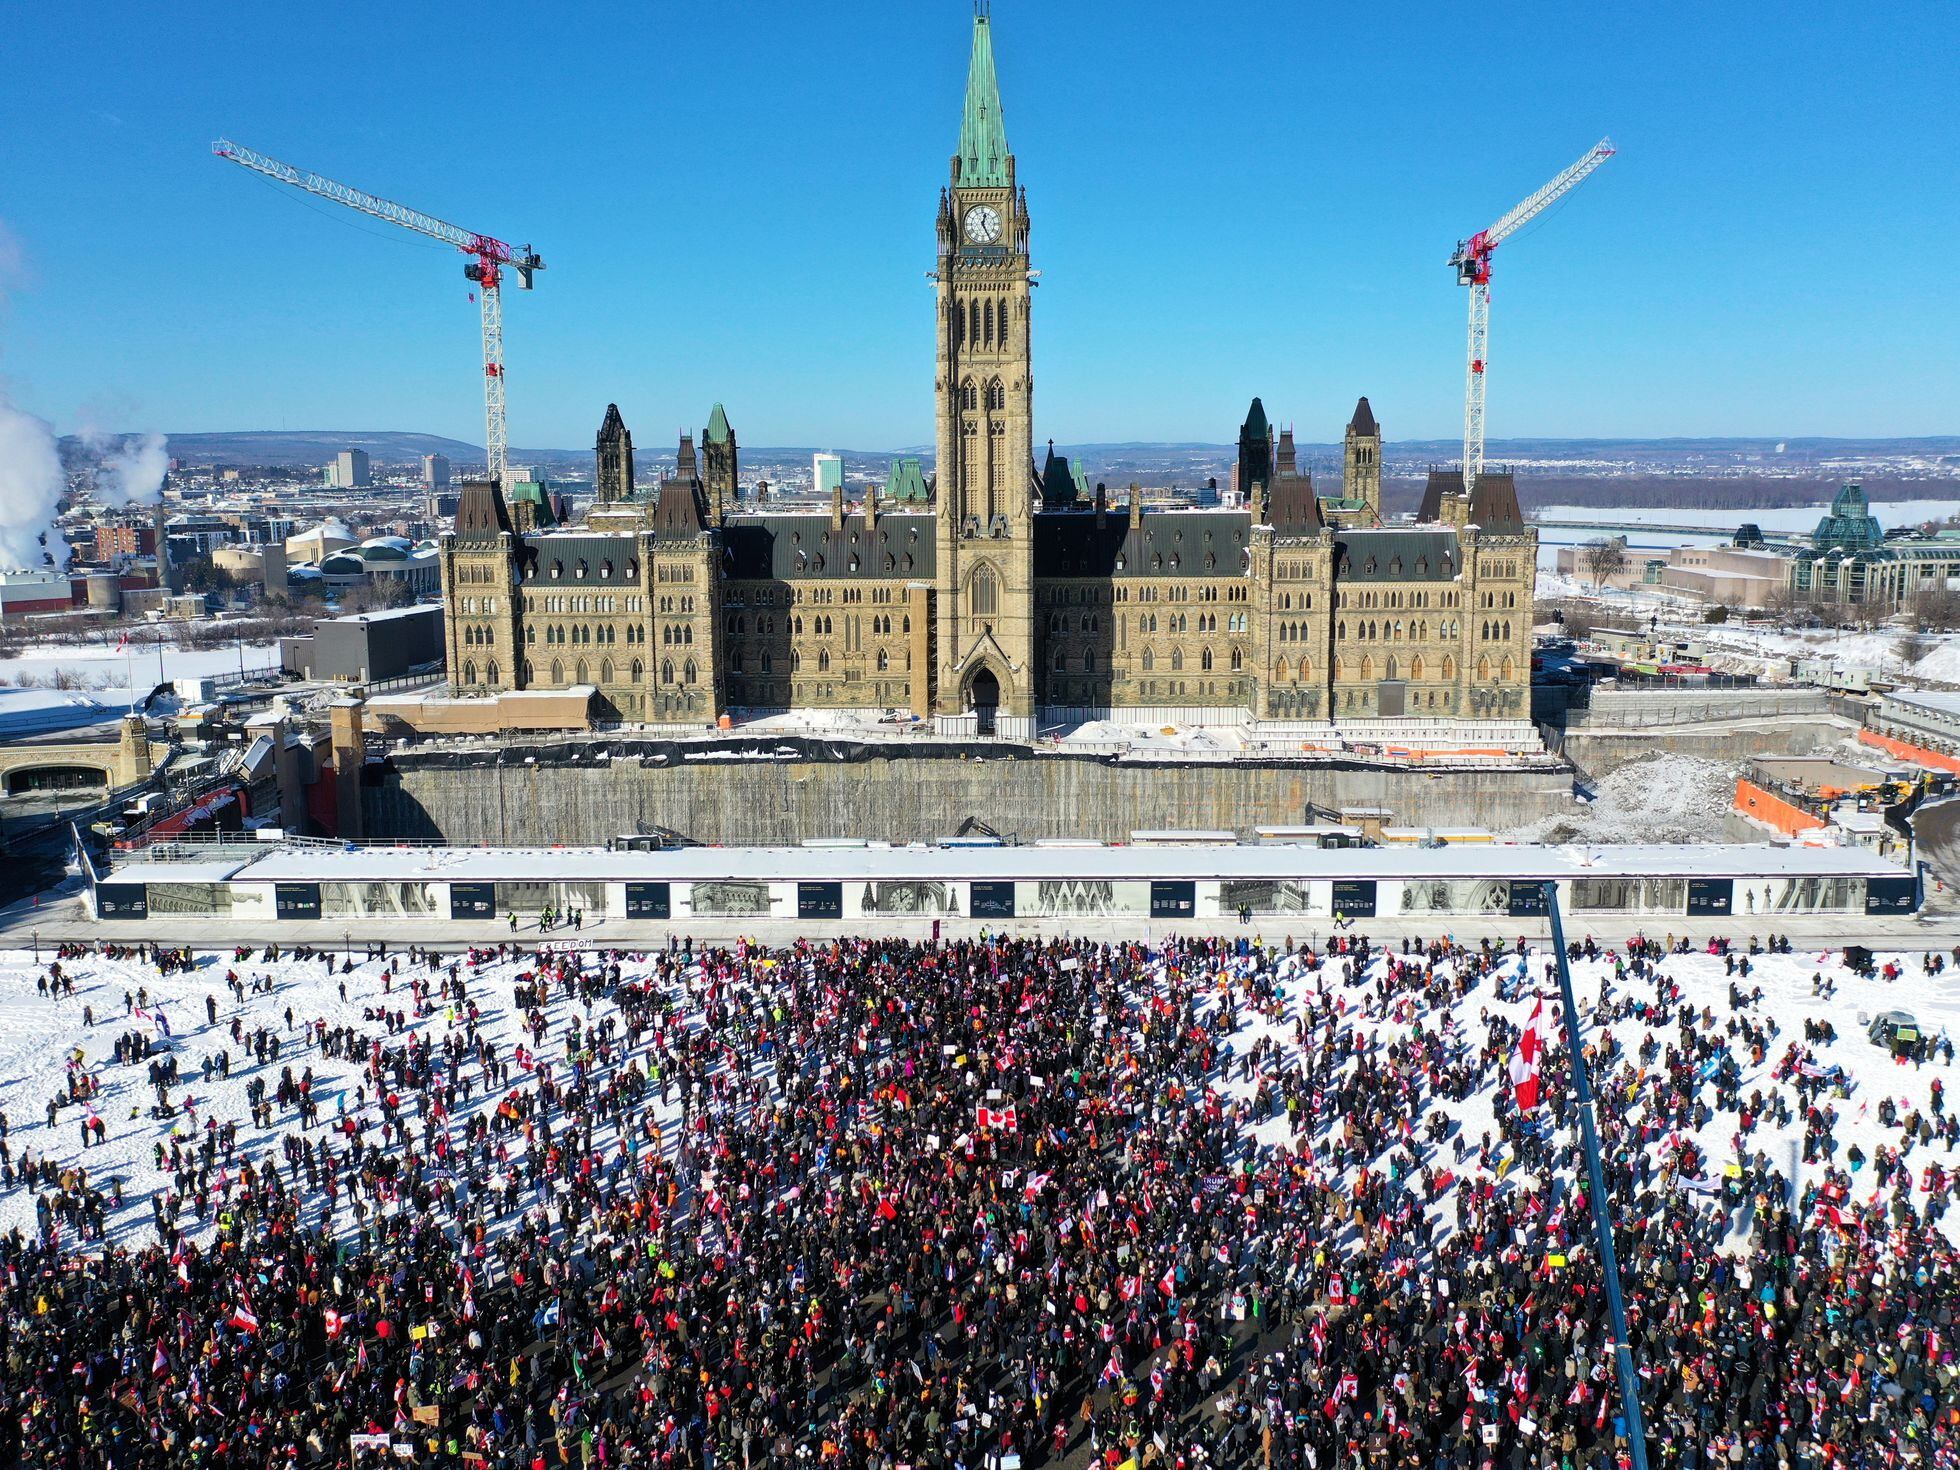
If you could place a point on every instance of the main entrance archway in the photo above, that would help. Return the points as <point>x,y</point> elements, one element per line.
<point>983,697</point>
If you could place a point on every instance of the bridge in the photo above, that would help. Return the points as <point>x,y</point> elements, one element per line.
<point>1653,528</point>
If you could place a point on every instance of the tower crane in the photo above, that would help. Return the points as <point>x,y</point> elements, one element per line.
<point>486,271</point>
<point>1472,265</point>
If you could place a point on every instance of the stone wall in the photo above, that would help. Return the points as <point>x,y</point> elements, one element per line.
<point>521,797</point>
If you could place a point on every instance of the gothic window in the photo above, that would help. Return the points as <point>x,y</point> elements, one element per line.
<point>996,395</point>
<point>492,674</point>
<point>605,671</point>
<point>1367,666</point>
<point>639,671</point>
<point>1149,662</point>
<point>1389,672</point>
<point>1279,672</point>
<point>1483,670</point>
<point>557,672</point>
<point>667,671</point>
<point>1449,667</point>
<point>906,626</point>
<point>581,679</point>
<point>984,596</point>
<point>1415,667</point>
<point>1177,660</point>
<point>1238,660</point>
<point>1506,670</point>
<point>987,322</point>
<point>969,396</point>
<point>823,660</point>
<point>973,323</point>
<point>529,672</point>
<point>1089,662</point>
<point>884,661</point>
<point>469,673</point>
<point>1061,661</point>
<point>690,671</point>
<point>1204,661</point>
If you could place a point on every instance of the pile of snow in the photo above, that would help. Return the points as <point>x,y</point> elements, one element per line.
<point>1658,798</point>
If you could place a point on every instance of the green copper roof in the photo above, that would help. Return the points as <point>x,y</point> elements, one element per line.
<point>532,491</point>
<point>983,133</point>
<point>717,431</point>
<point>906,481</point>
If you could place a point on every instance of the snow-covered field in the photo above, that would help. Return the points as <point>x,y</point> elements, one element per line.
<point>102,667</point>
<point>44,1041</point>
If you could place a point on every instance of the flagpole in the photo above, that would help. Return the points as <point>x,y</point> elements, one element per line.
<point>1609,1265</point>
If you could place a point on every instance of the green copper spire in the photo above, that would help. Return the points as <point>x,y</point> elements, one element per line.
<point>717,430</point>
<point>983,133</point>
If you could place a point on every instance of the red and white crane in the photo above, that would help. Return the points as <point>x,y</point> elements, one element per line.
<point>1472,265</point>
<point>486,271</point>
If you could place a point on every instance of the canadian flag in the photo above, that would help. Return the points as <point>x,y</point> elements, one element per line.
<point>1001,1118</point>
<point>1524,1062</point>
<point>332,1321</point>
<point>243,1318</point>
<point>122,643</point>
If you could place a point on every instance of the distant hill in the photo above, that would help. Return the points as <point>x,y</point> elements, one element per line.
<point>304,447</point>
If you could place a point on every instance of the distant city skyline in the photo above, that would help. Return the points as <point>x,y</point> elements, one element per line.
<point>1225,203</point>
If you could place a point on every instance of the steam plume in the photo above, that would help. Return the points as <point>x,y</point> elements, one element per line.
<point>132,471</point>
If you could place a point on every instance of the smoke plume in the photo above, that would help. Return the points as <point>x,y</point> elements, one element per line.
<point>31,486</point>
<point>131,471</point>
<point>31,481</point>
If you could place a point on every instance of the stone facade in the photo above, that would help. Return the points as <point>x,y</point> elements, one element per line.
<point>1012,593</point>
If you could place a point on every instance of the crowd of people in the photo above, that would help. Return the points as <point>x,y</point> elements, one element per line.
<point>973,1204</point>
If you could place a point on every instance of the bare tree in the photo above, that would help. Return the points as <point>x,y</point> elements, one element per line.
<point>1934,610</point>
<point>1605,557</point>
<point>1911,646</point>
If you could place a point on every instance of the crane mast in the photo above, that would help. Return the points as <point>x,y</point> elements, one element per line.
<point>1472,265</point>
<point>486,271</point>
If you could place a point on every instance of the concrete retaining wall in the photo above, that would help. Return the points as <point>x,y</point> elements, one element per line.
<point>759,802</point>
<point>1735,743</point>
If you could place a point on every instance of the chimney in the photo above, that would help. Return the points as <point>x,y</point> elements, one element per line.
<point>1102,505</point>
<point>837,509</point>
<point>1255,502</point>
<point>1136,505</point>
<point>871,506</point>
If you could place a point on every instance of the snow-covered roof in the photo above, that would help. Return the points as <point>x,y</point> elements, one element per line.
<point>779,864</point>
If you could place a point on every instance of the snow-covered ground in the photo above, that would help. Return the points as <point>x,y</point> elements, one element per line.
<point>44,1040</point>
<point>112,672</point>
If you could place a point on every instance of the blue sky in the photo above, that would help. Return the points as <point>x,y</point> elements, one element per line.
<point>735,201</point>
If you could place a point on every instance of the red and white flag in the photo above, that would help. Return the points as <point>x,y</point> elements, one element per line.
<point>332,1321</point>
<point>1000,1118</point>
<point>244,1319</point>
<point>1524,1062</point>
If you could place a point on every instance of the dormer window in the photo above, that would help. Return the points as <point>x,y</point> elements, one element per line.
<point>605,570</point>
<point>557,570</point>
<point>580,573</point>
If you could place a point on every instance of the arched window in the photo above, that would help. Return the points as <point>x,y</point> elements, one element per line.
<point>557,672</point>
<point>996,395</point>
<point>469,673</point>
<point>605,671</point>
<point>1177,660</point>
<point>884,661</point>
<point>493,675</point>
<point>1449,667</point>
<point>1149,662</point>
<point>666,671</point>
<point>1238,660</point>
<point>1279,672</point>
<point>1367,666</point>
<point>1483,669</point>
<point>1415,667</point>
<point>690,671</point>
<point>987,321</point>
<point>823,660</point>
<point>1204,661</point>
<point>984,594</point>
<point>1061,661</point>
<point>639,671</point>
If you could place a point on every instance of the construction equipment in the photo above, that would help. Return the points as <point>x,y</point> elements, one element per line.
<point>486,271</point>
<point>1472,265</point>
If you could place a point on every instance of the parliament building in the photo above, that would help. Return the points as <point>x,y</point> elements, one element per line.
<point>1000,593</point>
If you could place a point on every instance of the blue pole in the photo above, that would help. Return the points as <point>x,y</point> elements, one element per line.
<point>1609,1265</point>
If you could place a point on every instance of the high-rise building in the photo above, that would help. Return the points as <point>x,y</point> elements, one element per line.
<point>349,470</point>
<point>826,473</point>
<point>1003,591</point>
<point>435,472</point>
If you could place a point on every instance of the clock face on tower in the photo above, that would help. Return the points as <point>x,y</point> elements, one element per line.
<point>983,224</point>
